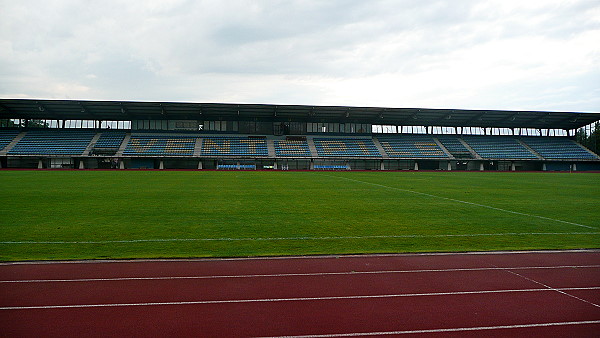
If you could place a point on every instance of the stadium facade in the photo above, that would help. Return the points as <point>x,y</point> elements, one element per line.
<point>167,135</point>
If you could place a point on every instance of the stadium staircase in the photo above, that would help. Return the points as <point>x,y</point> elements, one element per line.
<point>271,148</point>
<point>380,148</point>
<point>12,143</point>
<point>444,149</point>
<point>530,149</point>
<point>312,147</point>
<point>198,147</point>
<point>123,145</point>
<point>91,145</point>
<point>473,152</point>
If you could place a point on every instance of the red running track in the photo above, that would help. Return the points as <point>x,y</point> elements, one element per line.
<point>526,294</point>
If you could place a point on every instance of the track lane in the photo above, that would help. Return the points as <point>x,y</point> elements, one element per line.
<point>137,291</point>
<point>242,266</point>
<point>301,317</point>
<point>304,317</point>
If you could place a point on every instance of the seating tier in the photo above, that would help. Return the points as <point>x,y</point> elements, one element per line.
<point>454,146</point>
<point>234,146</point>
<point>411,146</point>
<point>6,137</point>
<point>498,147</point>
<point>558,148</point>
<point>53,142</point>
<point>343,147</point>
<point>160,145</point>
<point>296,148</point>
<point>110,139</point>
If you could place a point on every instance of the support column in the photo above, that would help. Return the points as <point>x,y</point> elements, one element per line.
<point>81,165</point>
<point>416,165</point>
<point>481,166</point>
<point>40,164</point>
<point>512,166</point>
<point>200,165</point>
<point>161,165</point>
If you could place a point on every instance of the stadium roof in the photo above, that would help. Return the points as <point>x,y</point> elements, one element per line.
<point>127,110</point>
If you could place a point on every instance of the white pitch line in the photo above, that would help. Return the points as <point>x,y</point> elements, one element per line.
<point>230,239</point>
<point>459,329</point>
<point>465,202</point>
<point>378,272</point>
<point>294,299</point>
<point>553,289</point>
<point>306,257</point>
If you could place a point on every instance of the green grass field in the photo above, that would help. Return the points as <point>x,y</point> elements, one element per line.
<point>135,214</point>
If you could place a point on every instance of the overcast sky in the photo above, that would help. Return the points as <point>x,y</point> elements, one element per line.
<point>480,54</point>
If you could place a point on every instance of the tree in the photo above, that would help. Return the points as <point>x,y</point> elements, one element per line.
<point>38,124</point>
<point>8,123</point>
<point>589,137</point>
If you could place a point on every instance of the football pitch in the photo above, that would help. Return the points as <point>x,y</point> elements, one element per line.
<point>60,215</point>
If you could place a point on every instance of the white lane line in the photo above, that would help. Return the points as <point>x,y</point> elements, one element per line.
<point>377,272</point>
<point>553,289</point>
<point>295,299</point>
<point>277,258</point>
<point>459,329</point>
<point>304,238</point>
<point>465,202</point>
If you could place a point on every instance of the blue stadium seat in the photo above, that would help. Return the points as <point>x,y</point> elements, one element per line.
<point>454,146</point>
<point>296,148</point>
<point>411,146</point>
<point>558,148</point>
<point>236,167</point>
<point>329,167</point>
<point>234,146</point>
<point>160,145</point>
<point>6,137</point>
<point>53,142</point>
<point>498,147</point>
<point>110,139</point>
<point>346,147</point>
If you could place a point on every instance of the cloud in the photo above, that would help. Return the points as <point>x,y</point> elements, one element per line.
<point>492,54</point>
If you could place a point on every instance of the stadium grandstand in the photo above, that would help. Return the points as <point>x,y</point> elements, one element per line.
<point>167,135</point>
